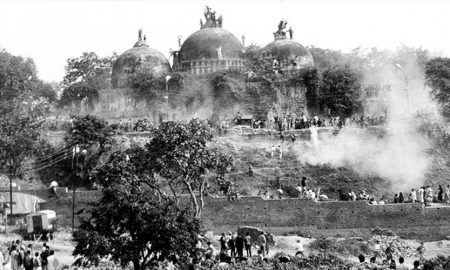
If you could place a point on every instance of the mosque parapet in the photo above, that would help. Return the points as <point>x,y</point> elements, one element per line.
<point>209,66</point>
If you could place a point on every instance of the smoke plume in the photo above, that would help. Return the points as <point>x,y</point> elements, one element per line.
<point>396,152</point>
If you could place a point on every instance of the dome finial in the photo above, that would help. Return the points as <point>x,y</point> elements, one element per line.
<point>141,41</point>
<point>280,33</point>
<point>211,20</point>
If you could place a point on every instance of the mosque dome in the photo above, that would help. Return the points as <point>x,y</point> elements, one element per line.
<point>203,45</point>
<point>142,57</point>
<point>287,50</point>
<point>210,49</point>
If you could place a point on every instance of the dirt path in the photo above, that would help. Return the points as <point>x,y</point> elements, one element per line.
<point>63,247</point>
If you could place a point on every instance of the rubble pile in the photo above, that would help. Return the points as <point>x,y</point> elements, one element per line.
<point>400,247</point>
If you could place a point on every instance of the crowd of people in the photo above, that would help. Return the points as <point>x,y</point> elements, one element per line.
<point>124,124</point>
<point>237,247</point>
<point>18,256</point>
<point>424,195</point>
<point>129,125</point>
<point>274,122</point>
<point>237,250</point>
<point>291,121</point>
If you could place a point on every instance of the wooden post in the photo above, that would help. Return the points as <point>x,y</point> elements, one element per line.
<point>10,196</point>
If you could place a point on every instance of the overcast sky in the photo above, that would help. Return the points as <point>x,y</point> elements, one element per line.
<point>52,31</point>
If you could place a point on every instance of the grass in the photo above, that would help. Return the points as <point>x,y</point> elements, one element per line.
<point>265,168</point>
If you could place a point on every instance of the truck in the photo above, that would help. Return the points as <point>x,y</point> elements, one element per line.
<point>41,225</point>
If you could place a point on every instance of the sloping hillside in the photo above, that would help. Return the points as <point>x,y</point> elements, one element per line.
<point>257,155</point>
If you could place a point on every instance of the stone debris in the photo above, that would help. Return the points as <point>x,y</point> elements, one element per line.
<point>385,232</point>
<point>400,247</point>
<point>254,233</point>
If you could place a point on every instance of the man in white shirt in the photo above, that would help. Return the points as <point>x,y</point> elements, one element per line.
<point>1,259</point>
<point>300,249</point>
<point>429,196</point>
<point>210,249</point>
<point>52,262</point>
<point>53,186</point>
<point>413,196</point>
<point>421,193</point>
<point>14,258</point>
<point>377,249</point>
<point>262,241</point>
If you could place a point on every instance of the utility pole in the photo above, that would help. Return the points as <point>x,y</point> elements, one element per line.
<point>76,150</point>
<point>167,96</point>
<point>10,197</point>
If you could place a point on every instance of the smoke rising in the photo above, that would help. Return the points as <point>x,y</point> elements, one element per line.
<point>396,152</point>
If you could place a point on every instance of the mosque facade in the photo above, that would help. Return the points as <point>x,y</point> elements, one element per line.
<point>210,50</point>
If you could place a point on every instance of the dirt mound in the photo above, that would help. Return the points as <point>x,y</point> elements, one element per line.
<point>254,233</point>
<point>401,247</point>
<point>383,232</point>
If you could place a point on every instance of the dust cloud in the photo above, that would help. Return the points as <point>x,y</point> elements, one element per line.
<point>397,151</point>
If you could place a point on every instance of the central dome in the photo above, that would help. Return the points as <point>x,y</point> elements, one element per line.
<point>205,43</point>
<point>210,49</point>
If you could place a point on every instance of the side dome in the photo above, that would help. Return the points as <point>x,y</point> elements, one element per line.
<point>288,53</point>
<point>204,45</point>
<point>286,49</point>
<point>141,57</point>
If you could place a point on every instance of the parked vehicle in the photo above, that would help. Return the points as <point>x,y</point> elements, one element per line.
<point>41,225</point>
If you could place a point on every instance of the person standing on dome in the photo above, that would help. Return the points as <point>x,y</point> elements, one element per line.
<point>219,53</point>
<point>291,33</point>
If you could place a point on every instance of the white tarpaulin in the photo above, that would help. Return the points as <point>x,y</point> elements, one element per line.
<point>22,203</point>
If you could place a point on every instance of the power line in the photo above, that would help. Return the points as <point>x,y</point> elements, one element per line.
<point>28,170</point>
<point>43,158</point>
<point>61,148</point>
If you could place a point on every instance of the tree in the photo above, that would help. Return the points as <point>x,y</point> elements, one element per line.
<point>18,77</point>
<point>20,132</point>
<point>90,69</point>
<point>20,135</point>
<point>325,58</point>
<point>179,153</point>
<point>44,90</point>
<point>88,131</point>
<point>92,134</point>
<point>146,84</point>
<point>437,72</point>
<point>130,223</point>
<point>340,90</point>
<point>78,92</point>
<point>85,75</point>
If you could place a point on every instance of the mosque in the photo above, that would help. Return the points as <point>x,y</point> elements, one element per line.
<point>188,91</point>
